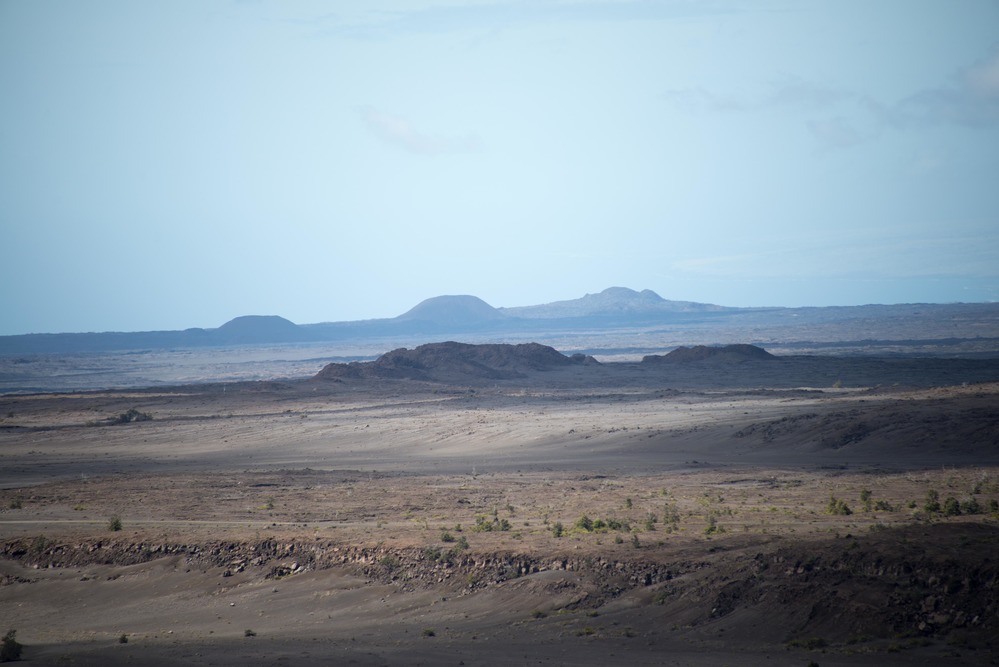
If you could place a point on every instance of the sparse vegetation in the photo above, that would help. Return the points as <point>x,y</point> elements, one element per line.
<point>484,524</point>
<point>127,417</point>
<point>838,507</point>
<point>114,523</point>
<point>932,503</point>
<point>865,498</point>
<point>811,643</point>
<point>249,633</point>
<point>10,648</point>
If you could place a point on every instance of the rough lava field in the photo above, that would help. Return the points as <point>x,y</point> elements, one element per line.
<point>506,504</point>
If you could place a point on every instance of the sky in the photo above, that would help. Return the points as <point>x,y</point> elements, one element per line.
<point>177,163</point>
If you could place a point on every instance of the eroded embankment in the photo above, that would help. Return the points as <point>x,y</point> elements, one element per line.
<point>921,580</point>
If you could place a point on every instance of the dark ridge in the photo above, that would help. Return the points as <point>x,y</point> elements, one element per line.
<point>728,354</point>
<point>450,361</point>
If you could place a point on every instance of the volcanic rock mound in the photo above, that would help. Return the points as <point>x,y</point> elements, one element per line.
<point>452,361</point>
<point>728,354</point>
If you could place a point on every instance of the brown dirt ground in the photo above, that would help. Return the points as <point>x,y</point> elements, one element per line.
<point>330,519</point>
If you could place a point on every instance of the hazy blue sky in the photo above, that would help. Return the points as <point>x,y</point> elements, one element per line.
<point>178,163</point>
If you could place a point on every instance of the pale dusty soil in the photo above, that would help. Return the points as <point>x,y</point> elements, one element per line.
<point>327,504</point>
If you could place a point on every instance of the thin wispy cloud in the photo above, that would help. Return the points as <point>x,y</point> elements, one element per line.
<point>971,99</point>
<point>843,118</point>
<point>835,132</point>
<point>400,132</point>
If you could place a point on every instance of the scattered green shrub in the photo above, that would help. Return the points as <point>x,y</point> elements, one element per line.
<point>932,503</point>
<point>114,524</point>
<point>838,507</point>
<point>971,507</point>
<point>865,498</point>
<point>10,648</point>
<point>484,525</point>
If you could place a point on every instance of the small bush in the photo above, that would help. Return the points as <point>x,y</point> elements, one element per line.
<point>114,525</point>
<point>812,643</point>
<point>123,639</point>
<point>865,498</point>
<point>484,525</point>
<point>447,537</point>
<point>838,507</point>
<point>537,613</point>
<point>971,507</point>
<point>951,507</point>
<point>10,648</point>
<point>131,415</point>
<point>249,633</point>
<point>584,523</point>
<point>16,504</point>
<point>558,530</point>
<point>429,632</point>
<point>617,524</point>
<point>932,503</point>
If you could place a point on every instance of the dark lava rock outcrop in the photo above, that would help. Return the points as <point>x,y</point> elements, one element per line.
<point>725,354</point>
<point>452,361</point>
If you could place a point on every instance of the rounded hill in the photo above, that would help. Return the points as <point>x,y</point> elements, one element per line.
<point>453,310</point>
<point>257,329</point>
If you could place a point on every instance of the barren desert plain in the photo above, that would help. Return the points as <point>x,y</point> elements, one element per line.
<point>794,510</point>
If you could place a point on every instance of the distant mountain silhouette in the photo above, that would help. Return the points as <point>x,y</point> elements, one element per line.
<point>613,301</point>
<point>257,329</point>
<point>441,317</point>
<point>459,310</point>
